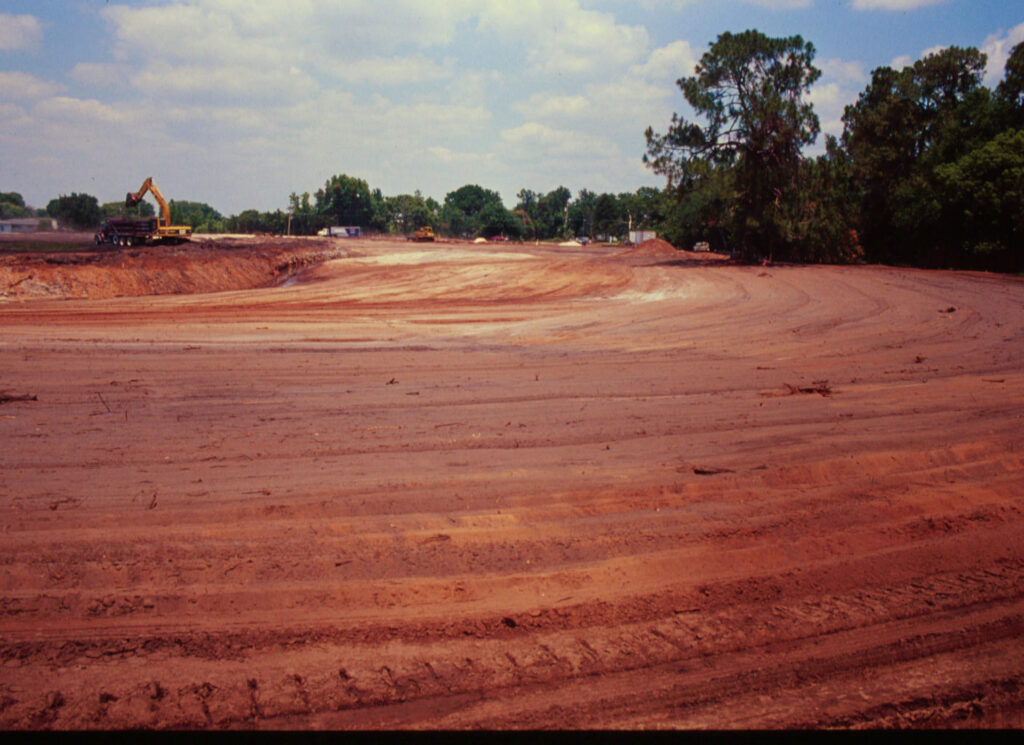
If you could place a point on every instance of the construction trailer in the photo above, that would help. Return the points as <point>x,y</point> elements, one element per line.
<point>340,231</point>
<point>639,236</point>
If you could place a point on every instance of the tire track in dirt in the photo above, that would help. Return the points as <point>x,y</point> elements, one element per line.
<point>544,492</point>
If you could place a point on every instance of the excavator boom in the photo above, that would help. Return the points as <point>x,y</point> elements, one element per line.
<point>164,230</point>
<point>133,198</point>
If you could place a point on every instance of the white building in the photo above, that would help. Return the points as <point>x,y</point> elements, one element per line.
<point>27,224</point>
<point>639,236</point>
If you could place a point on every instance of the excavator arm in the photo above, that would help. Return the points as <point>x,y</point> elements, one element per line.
<point>165,232</point>
<point>133,198</point>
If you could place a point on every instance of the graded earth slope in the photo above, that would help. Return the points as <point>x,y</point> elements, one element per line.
<point>461,486</point>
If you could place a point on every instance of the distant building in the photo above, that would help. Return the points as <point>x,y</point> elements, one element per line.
<point>27,224</point>
<point>639,236</point>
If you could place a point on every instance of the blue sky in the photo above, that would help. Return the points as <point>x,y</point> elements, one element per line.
<point>238,103</point>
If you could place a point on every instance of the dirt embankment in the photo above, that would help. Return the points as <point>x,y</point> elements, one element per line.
<point>66,268</point>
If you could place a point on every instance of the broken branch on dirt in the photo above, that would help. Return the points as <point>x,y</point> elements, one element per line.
<point>10,397</point>
<point>821,387</point>
<point>710,471</point>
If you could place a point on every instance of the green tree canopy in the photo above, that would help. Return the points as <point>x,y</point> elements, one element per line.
<point>547,214</point>
<point>13,205</point>
<point>253,221</point>
<point>982,193</point>
<point>408,212</point>
<point>749,89</point>
<point>200,216</point>
<point>1011,90</point>
<point>80,211</point>
<point>346,200</point>
<point>609,217</point>
<point>472,210</point>
<point>118,209</point>
<point>581,214</point>
<point>900,129</point>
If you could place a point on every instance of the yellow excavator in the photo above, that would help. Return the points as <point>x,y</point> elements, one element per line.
<point>164,230</point>
<point>126,231</point>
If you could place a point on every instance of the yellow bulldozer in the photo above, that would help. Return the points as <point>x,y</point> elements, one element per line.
<point>423,235</point>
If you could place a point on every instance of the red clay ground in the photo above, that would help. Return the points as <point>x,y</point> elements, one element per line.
<point>461,486</point>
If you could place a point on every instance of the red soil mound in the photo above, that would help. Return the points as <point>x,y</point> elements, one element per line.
<point>654,246</point>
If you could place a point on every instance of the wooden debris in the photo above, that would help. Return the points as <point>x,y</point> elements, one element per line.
<point>710,471</point>
<point>821,387</point>
<point>9,397</point>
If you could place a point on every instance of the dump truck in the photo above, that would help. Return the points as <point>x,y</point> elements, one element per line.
<point>124,231</point>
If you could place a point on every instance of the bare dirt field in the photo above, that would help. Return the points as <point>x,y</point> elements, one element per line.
<point>317,484</point>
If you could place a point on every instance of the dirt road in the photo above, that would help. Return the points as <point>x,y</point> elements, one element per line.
<point>458,486</point>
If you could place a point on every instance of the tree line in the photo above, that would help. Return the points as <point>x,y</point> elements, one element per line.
<point>468,212</point>
<point>929,169</point>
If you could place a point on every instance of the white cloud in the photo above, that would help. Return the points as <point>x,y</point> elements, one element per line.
<point>177,32</point>
<point>470,87</point>
<point>775,4</point>
<point>555,106</point>
<point>571,157</point>
<point>905,60</point>
<point>998,47</point>
<point>280,96</point>
<point>933,50</point>
<point>98,73</point>
<point>19,32</point>
<point>829,100</point>
<point>22,85</point>
<point>668,63</point>
<point>561,38</point>
<point>229,80</point>
<point>533,139</point>
<point>844,71</point>
<point>782,4</point>
<point>70,110</point>
<point>623,106</point>
<point>461,159</point>
<point>394,70</point>
<point>893,4</point>
<point>840,83</point>
<point>10,111</point>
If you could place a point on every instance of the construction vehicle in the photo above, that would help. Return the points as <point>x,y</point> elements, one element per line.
<point>423,235</point>
<point>128,232</point>
<point>338,231</point>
